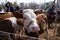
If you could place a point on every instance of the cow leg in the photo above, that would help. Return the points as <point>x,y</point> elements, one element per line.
<point>17,37</point>
<point>49,25</point>
<point>18,31</point>
<point>50,21</point>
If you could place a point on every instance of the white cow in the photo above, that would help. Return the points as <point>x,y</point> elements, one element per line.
<point>30,22</point>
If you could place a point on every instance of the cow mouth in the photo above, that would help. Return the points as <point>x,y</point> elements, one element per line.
<point>35,29</point>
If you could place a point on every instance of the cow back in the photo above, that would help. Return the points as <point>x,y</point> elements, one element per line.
<point>3,16</point>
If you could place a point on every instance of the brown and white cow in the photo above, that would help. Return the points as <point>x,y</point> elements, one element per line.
<point>34,24</point>
<point>9,23</point>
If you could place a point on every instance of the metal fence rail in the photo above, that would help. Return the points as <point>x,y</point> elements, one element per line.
<point>22,35</point>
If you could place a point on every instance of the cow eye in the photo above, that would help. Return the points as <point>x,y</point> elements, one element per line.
<point>32,16</point>
<point>24,18</point>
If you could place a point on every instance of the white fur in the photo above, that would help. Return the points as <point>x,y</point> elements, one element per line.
<point>13,21</point>
<point>30,16</point>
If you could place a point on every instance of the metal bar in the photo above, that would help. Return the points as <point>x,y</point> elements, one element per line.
<point>22,35</point>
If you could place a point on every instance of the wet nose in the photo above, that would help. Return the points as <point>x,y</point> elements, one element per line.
<point>35,28</point>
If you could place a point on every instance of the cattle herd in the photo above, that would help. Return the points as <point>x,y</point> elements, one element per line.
<point>26,22</point>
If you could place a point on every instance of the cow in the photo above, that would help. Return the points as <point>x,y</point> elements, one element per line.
<point>33,23</point>
<point>9,23</point>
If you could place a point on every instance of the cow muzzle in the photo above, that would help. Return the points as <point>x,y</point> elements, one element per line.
<point>34,28</point>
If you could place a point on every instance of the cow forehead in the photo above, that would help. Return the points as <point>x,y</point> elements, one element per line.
<point>28,10</point>
<point>29,13</point>
<point>29,16</point>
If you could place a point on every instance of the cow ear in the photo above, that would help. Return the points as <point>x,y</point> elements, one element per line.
<point>20,22</point>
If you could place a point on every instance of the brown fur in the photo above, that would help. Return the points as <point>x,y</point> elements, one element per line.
<point>3,16</point>
<point>17,14</point>
<point>40,18</point>
<point>20,21</point>
<point>7,26</point>
<point>37,12</point>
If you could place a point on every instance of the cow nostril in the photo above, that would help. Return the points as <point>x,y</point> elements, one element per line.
<point>35,28</point>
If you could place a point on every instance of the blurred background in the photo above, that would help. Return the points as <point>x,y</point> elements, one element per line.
<point>24,4</point>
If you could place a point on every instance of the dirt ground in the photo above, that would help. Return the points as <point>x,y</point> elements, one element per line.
<point>51,34</point>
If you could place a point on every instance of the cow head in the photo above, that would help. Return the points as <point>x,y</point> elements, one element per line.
<point>30,22</point>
